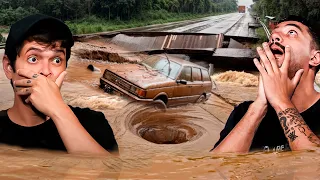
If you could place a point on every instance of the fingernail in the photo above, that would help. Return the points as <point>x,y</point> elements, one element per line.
<point>265,44</point>
<point>287,46</point>
<point>259,48</point>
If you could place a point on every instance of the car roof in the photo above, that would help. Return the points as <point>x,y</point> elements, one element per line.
<point>182,61</point>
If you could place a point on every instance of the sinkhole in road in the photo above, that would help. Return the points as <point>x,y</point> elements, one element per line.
<point>165,128</point>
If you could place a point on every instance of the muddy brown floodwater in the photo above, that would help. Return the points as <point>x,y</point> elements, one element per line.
<point>152,144</point>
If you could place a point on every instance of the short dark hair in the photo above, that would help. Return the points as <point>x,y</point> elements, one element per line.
<point>40,28</point>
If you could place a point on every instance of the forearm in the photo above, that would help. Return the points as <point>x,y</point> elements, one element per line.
<point>75,138</point>
<point>297,132</point>
<point>240,138</point>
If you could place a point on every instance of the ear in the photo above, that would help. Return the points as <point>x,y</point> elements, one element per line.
<point>315,58</point>
<point>7,67</point>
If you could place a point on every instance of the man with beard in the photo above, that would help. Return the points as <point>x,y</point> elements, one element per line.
<point>285,114</point>
<point>36,54</point>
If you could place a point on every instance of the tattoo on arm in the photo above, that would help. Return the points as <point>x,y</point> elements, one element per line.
<point>291,121</point>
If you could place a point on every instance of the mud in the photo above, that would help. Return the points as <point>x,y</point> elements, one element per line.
<point>105,51</point>
<point>241,78</point>
<point>153,145</point>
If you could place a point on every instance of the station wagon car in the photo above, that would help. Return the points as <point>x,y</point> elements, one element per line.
<point>163,80</point>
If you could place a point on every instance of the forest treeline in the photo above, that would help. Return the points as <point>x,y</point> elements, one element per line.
<point>119,10</point>
<point>309,9</point>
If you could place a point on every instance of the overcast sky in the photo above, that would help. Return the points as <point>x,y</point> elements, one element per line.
<point>245,2</point>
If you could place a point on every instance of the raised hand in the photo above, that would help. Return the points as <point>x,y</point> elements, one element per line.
<point>278,87</point>
<point>43,93</point>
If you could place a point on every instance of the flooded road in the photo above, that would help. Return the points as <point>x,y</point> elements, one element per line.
<point>153,145</point>
<point>233,24</point>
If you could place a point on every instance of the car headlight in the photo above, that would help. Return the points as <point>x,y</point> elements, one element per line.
<point>141,92</point>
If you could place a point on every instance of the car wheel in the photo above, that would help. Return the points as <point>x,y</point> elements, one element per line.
<point>158,104</point>
<point>201,99</point>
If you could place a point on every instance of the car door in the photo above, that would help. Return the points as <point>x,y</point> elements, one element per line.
<point>182,92</point>
<point>197,84</point>
<point>207,84</point>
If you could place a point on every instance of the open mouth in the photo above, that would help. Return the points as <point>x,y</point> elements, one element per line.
<point>277,52</point>
<point>277,49</point>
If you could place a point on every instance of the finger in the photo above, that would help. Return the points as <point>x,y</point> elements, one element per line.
<point>265,60</point>
<point>60,79</point>
<point>27,100</point>
<point>27,73</point>
<point>23,83</point>
<point>23,91</point>
<point>297,77</point>
<point>287,57</point>
<point>271,58</point>
<point>260,80</point>
<point>260,68</point>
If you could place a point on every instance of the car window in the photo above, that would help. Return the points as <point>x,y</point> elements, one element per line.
<point>162,65</point>
<point>205,75</point>
<point>168,68</point>
<point>185,74</point>
<point>196,74</point>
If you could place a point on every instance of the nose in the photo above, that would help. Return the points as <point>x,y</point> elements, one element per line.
<point>45,70</point>
<point>275,37</point>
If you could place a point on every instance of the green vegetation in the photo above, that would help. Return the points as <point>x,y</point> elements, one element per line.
<point>262,38</point>
<point>261,35</point>
<point>87,16</point>
<point>2,39</point>
<point>280,9</point>
<point>85,26</point>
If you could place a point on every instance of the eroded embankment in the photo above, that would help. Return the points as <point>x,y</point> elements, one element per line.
<point>106,52</point>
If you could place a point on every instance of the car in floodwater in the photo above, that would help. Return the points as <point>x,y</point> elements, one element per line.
<point>162,80</point>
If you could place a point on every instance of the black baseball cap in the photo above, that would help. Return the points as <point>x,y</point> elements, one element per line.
<point>37,24</point>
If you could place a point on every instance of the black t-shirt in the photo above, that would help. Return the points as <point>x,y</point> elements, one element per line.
<point>270,135</point>
<point>46,135</point>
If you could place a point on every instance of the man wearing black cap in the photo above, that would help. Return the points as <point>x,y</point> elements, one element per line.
<point>285,115</point>
<point>36,54</point>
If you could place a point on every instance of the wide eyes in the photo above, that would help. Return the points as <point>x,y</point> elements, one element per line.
<point>32,59</point>
<point>57,60</point>
<point>292,33</point>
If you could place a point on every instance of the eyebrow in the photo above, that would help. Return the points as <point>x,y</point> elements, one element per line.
<point>291,25</point>
<point>39,50</point>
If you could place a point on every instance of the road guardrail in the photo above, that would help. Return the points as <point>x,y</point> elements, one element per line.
<point>265,29</point>
<point>2,45</point>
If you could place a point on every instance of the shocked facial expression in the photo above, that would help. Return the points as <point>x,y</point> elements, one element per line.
<point>49,61</point>
<point>297,36</point>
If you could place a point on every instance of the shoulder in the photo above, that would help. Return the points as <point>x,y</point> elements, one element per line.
<point>233,120</point>
<point>97,126</point>
<point>236,115</point>
<point>239,110</point>
<point>243,106</point>
<point>90,118</point>
<point>3,113</point>
<point>84,111</point>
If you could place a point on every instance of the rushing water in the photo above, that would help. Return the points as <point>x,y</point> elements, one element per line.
<point>153,145</point>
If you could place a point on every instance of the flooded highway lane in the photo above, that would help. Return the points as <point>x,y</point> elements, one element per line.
<point>233,24</point>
